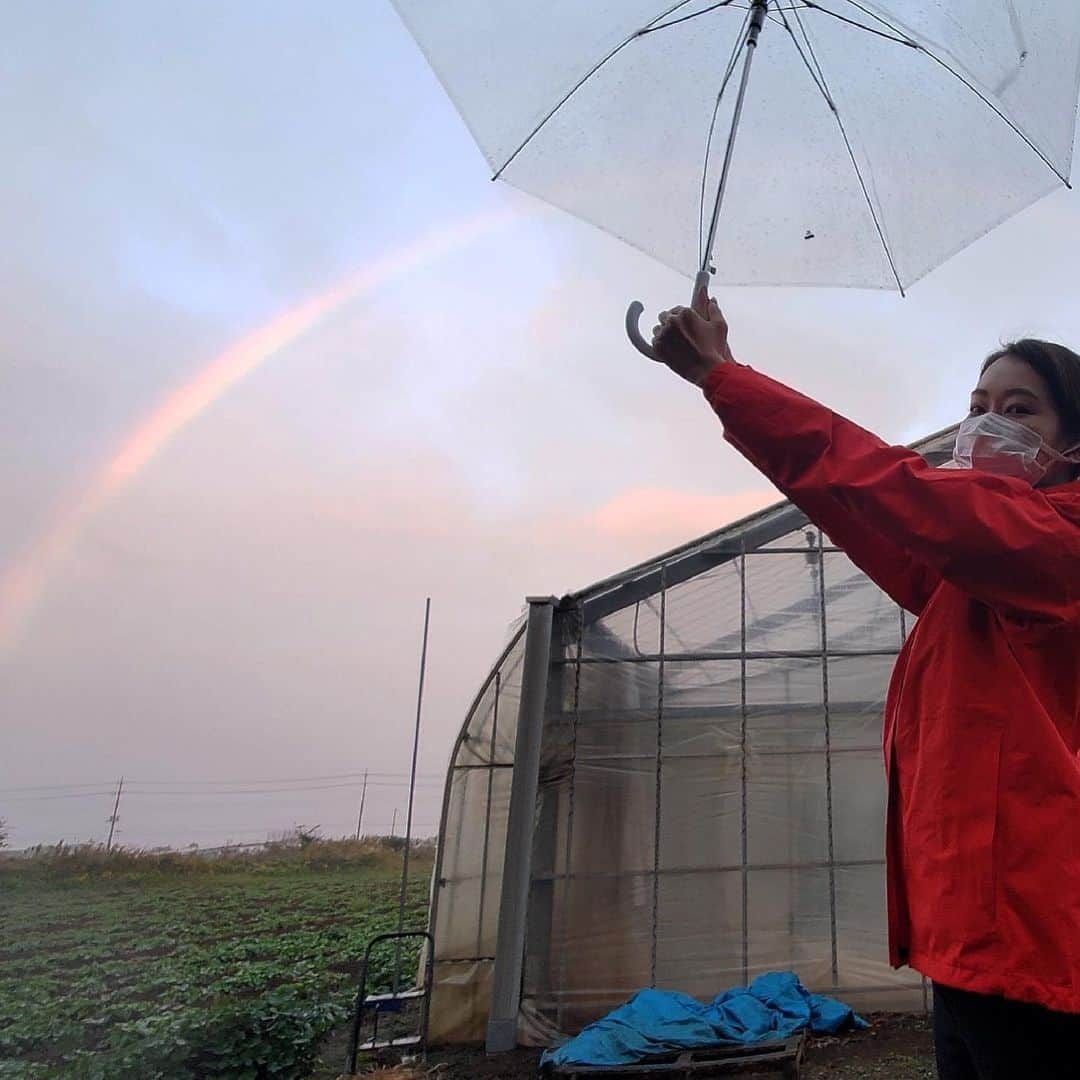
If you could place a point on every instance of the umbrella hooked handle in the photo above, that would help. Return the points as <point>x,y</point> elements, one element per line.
<point>633,332</point>
<point>698,301</point>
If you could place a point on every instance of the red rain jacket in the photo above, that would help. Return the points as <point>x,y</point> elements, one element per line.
<point>982,723</point>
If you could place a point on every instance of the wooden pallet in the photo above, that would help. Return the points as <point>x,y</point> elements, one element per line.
<point>785,1057</point>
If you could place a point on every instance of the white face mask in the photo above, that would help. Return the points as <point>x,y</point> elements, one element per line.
<point>996,444</point>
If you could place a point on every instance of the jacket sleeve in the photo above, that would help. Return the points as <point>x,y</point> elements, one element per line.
<point>903,522</point>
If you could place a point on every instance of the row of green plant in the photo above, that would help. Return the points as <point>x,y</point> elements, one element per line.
<point>185,974</point>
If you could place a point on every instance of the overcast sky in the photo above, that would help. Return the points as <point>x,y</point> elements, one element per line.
<point>248,607</point>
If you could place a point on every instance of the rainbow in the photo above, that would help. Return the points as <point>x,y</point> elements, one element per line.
<point>22,586</point>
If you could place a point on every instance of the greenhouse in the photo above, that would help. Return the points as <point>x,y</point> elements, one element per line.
<point>674,778</point>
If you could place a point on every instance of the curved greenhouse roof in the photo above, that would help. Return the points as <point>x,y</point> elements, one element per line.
<point>673,778</point>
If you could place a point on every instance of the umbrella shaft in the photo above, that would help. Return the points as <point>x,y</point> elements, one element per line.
<point>757,21</point>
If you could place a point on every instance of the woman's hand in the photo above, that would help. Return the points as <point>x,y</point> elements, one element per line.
<point>692,341</point>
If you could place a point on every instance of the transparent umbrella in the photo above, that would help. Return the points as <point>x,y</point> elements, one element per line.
<point>788,142</point>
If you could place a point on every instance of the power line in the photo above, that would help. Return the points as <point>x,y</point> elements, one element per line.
<point>299,779</point>
<point>75,795</point>
<point>358,776</point>
<point>57,787</point>
<point>263,791</point>
<point>206,793</point>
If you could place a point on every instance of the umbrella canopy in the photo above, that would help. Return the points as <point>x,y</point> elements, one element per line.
<point>876,139</point>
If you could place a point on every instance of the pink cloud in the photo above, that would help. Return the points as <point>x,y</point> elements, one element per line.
<point>665,516</point>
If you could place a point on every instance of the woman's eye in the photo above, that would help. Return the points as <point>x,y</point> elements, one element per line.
<point>1018,410</point>
<point>976,410</point>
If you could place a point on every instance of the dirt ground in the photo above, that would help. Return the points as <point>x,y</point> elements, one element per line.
<point>894,1048</point>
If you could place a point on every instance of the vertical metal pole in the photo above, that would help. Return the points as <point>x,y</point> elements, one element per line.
<point>360,816</point>
<point>412,771</point>
<point>759,8</point>
<point>517,865</point>
<point>487,818</point>
<point>412,793</point>
<point>659,777</point>
<point>393,826</point>
<point>925,982</point>
<point>828,754</point>
<point>564,957</point>
<point>743,752</point>
<point>115,815</point>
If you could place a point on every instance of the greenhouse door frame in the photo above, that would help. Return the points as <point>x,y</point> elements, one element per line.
<point>517,867</point>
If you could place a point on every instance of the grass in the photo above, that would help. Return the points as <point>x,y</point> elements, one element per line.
<point>164,965</point>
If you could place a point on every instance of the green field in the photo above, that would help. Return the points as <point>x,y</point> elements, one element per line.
<point>189,968</point>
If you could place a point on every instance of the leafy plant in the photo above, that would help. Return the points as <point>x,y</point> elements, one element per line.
<point>185,973</point>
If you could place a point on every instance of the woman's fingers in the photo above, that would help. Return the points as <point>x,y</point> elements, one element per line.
<point>692,340</point>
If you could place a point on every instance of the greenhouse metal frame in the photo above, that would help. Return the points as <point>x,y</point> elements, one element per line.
<point>673,778</point>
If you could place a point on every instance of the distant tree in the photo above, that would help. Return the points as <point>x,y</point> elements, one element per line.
<point>306,834</point>
<point>3,833</point>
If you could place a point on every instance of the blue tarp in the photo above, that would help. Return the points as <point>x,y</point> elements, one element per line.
<point>774,1006</point>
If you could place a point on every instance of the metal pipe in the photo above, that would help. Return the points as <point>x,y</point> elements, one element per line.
<point>579,628</point>
<point>659,780</point>
<point>517,866</point>
<point>487,817</point>
<point>744,786</point>
<point>828,758</point>
<point>759,8</point>
<point>733,868</point>
<point>412,792</point>
<point>751,654</point>
<point>724,755</point>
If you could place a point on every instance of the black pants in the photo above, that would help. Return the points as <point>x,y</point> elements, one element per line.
<point>979,1037</point>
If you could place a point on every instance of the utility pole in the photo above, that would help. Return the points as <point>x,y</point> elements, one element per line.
<point>114,817</point>
<point>363,796</point>
<point>393,828</point>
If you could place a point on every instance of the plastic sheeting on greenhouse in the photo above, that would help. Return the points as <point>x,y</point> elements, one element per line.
<point>711,797</point>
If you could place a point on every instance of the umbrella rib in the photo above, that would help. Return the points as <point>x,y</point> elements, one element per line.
<point>585,78</point>
<point>900,40</point>
<point>951,70</point>
<point>651,29</point>
<point>823,86</point>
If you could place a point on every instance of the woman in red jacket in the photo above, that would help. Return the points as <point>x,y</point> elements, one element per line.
<point>982,724</point>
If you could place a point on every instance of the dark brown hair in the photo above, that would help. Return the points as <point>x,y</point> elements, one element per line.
<point>1060,370</point>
